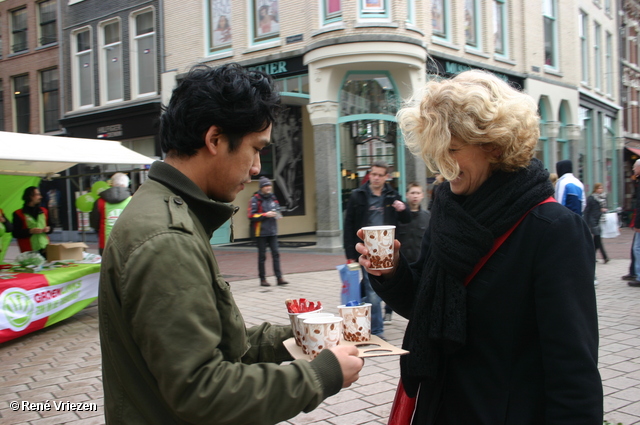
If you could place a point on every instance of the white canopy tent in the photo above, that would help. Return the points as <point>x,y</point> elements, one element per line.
<point>43,156</point>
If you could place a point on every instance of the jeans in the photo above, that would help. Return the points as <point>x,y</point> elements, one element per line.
<point>262,255</point>
<point>636,254</point>
<point>370,296</point>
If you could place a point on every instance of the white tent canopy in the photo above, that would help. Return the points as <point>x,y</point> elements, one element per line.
<point>40,156</point>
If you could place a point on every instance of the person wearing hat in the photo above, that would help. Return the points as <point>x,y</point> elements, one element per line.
<point>264,211</point>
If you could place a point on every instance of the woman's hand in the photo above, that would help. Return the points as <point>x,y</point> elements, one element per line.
<point>366,263</point>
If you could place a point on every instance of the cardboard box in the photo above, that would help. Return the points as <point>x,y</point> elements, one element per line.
<point>65,251</point>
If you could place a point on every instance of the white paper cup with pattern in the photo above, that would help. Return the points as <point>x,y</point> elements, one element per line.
<point>304,316</point>
<point>379,242</point>
<point>295,326</point>
<point>321,333</point>
<point>357,322</point>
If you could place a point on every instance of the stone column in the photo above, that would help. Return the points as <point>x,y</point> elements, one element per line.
<point>574,135</point>
<point>553,130</point>
<point>324,116</point>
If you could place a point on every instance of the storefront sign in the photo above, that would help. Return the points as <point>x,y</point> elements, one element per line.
<point>282,68</point>
<point>447,68</point>
<point>108,131</point>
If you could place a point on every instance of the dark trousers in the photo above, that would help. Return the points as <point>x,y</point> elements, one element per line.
<point>272,241</point>
<point>597,241</point>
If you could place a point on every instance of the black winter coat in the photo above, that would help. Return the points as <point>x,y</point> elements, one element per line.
<point>410,234</point>
<point>531,355</point>
<point>591,214</point>
<point>356,215</point>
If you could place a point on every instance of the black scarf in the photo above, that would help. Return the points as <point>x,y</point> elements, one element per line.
<point>463,229</point>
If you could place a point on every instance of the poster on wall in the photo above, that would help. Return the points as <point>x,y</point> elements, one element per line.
<point>220,24</point>
<point>267,19</point>
<point>288,174</point>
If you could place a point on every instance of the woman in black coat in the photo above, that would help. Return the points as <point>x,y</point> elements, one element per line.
<point>596,205</point>
<point>519,344</point>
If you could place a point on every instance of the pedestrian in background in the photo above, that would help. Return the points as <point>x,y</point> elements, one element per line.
<point>631,276</point>
<point>596,205</point>
<point>110,204</point>
<point>569,190</point>
<point>513,340</point>
<point>375,203</point>
<point>175,348</point>
<point>635,225</point>
<point>264,213</point>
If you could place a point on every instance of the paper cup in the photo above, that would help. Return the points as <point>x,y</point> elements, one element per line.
<point>304,316</point>
<point>357,322</point>
<point>379,242</point>
<point>321,333</point>
<point>295,326</point>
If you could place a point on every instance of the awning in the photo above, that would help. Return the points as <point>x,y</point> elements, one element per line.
<point>40,156</point>
<point>634,150</point>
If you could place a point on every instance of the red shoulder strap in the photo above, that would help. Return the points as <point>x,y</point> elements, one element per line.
<point>499,241</point>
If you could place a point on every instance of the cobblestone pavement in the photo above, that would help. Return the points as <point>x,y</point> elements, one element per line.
<point>62,363</point>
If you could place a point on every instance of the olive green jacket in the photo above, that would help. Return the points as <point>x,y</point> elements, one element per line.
<point>175,349</point>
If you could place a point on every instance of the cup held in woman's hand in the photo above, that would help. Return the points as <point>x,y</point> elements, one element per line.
<point>357,322</point>
<point>379,242</point>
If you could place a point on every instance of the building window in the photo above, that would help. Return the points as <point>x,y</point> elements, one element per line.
<point>411,12</point>
<point>48,25</point>
<point>607,7</point>
<point>19,30</point>
<point>550,33</point>
<point>331,11</point>
<point>21,99</point>
<point>1,107</point>
<point>266,20</point>
<point>374,9</point>
<point>597,56</point>
<point>500,27</point>
<point>50,102</point>
<point>219,24</point>
<point>609,63</point>
<point>471,33</point>
<point>144,54</point>
<point>1,40</point>
<point>439,18</point>
<point>584,46</point>
<point>111,67</point>
<point>83,69</point>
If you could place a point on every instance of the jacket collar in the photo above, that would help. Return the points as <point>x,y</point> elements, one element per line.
<point>211,214</point>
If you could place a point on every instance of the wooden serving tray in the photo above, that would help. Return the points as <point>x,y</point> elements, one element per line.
<point>375,347</point>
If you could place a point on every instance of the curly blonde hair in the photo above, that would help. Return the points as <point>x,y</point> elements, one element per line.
<point>479,109</point>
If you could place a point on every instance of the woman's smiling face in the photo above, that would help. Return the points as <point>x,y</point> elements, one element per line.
<point>474,164</point>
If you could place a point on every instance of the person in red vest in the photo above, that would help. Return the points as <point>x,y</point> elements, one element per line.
<point>31,223</point>
<point>109,206</point>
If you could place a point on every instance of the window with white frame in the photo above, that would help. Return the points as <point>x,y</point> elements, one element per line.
<point>21,103</point>
<point>19,30</point>
<point>597,55</point>
<point>471,24</point>
<point>49,99</point>
<point>609,63</point>
<point>373,9</point>
<point>331,11</point>
<point>82,68</point>
<point>266,20</point>
<point>143,53</point>
<point>411,12</point>
<point>439,18</point>
<point>550,33</point>
<point>219,25</point>
<point>583,24</point>
<point>111,62</point>
<point>500,27</point>
<point>47,16</point>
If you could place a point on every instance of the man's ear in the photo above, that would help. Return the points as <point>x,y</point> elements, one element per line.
<point>212,139</point>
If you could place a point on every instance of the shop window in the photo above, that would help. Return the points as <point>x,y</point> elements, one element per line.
<point>82,68</point>
<point>21,103</point>
<point>266,20</point>
<point>374,9</point>
<point>111,62</point>
<point>584,45</point>
<point>440,18</point>
<point>500,27</point>
<point>219,25</point>
<point>331,11</point>
<point>143,53</point>
<point>48,22</point>
<point>597,55</point>
<point>472,24</point>
<point>50,99</point>
<point>368,94</point>
<point>549,17</point>
<point>19,30</point>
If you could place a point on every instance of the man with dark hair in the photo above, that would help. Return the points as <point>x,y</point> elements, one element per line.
<point>375,203</point>
<point>569,190</point>
<point>175,348</point>
<point>31,223</point>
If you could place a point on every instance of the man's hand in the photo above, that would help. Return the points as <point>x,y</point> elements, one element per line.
<point>399,205</point>
<point>350,363</point>
<point>35,231</point>
<point>270,214</point>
